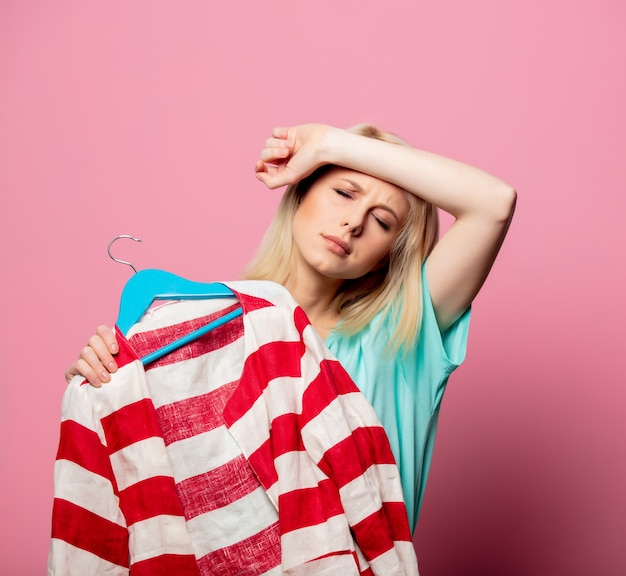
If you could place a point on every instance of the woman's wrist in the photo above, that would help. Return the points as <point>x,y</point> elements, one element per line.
<point>338,146</point>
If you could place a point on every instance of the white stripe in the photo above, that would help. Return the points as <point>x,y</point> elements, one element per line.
<point>271,291</point>
<point>276,571</point>
<point>358,411</point>
<point>168,313</point>
<point>252,429</point>
<point>158,536</point>
<point>296,471</point>
<point>232,523</point>
<point>202,453</point>
<point>399,561</point>
<point>76,406</point>
<point>269,325</point>
<point>326,430</point>
<point>312,542</point>
<point>363,563</point>
<point>87,405</point>
<point>388,482</point>
<point>87,490</point>
<point>65,559</point>
<point>335,565</point>
<point>315,345</point>
<point>335,423</point>
<point>364,493</point>
<point>139,461</point>
<point>127,386</point>
<point>196,376</point>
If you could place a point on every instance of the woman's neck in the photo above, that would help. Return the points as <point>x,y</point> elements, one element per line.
<point>316,298</point>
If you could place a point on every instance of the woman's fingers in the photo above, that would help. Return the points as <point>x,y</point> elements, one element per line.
<point>82,368</point>
<point>290,154</point>
<point>278,143</point>
<point>276,150</point>
<point>108,336</point>
<point>100,354</point>
<point>274,154</point>
<point>89,364</point>
<point>96,362</point>
<point>280,132</point>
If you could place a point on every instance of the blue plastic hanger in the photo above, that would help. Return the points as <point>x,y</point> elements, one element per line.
<point>146,286</point>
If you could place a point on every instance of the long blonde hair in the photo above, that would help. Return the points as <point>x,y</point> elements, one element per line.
<point>395,287</point>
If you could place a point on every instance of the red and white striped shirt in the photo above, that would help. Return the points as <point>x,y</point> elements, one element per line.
<point>248,451</point>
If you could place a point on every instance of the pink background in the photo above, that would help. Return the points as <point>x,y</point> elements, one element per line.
<point>146,117</point>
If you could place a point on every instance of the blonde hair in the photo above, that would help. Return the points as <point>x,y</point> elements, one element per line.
<point>395,287</point>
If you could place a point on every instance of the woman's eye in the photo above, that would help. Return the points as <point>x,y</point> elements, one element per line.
<point>343,193</point>
<point>382,223</point>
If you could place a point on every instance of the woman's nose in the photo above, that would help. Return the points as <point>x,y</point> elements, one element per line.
<point>354,225</point>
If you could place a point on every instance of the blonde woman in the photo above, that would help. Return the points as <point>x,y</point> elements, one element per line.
<point>355,241</point>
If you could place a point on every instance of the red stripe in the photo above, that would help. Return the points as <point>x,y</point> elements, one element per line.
<point>251,556</point>
<point>83,447</point>
<point>286,435</point>
<point>399,521</point>
<point>308,506</point>
<point>196,415</point>
<point>147,342</point>
<point>251,303</point>
<point>374,535</point>
<point>331,382</point>
<point>149,498</point>
<point>334,372</point>
<point>300,320</point>
<point>88,531</point>
<point>351,457</point>
<point>130,424</point>
<point>262,462</point>
<point>166,565</point>
<point>217,488</point>
<point>126,354</point>
<point>270,361</point>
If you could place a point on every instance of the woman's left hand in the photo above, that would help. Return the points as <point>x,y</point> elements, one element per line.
<point>292,154</point>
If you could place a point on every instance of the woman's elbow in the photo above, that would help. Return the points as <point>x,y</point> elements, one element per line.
<point>503,202</point>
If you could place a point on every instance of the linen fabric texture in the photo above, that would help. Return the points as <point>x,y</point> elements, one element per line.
<point>248,451</point>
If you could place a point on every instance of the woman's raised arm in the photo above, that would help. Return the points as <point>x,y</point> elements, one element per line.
<point>481,204</point>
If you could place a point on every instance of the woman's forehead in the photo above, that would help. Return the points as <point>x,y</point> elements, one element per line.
<point>366,183</point>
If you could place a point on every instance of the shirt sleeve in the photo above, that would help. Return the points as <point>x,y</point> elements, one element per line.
<point>443,351</point>
<point>89,533</point>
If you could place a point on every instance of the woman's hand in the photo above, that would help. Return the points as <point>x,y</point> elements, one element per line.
<point>96,362</point>
<point>292,153</point>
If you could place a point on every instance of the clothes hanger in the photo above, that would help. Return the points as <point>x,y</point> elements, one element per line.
<point>146,286</point>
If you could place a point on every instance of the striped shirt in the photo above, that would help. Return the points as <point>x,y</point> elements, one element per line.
<point>247,451</point>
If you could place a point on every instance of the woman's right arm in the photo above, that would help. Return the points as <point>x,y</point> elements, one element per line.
<point>96,361</point>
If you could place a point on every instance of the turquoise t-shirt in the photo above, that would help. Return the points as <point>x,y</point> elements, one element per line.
<point>405,391</point>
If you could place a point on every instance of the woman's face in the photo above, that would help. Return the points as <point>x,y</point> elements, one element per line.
<point>346,223</point>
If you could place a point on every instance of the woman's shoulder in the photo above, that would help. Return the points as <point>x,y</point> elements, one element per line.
<point>431,347</point>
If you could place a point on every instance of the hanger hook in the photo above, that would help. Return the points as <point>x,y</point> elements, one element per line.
<point>117,259</point>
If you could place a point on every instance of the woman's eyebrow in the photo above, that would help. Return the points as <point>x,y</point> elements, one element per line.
<point>359,188</point>
<point>353,183</point>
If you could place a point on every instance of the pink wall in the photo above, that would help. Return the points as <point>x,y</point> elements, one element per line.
<point>145,117</point>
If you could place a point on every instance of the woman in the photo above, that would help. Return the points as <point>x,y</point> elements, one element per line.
<point>355,242</point>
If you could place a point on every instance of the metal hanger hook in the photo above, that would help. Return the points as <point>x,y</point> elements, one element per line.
<point>117,259</point>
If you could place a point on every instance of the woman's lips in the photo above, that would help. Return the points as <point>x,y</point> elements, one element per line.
<point>335,240</point>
